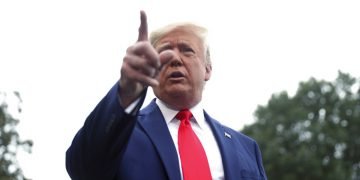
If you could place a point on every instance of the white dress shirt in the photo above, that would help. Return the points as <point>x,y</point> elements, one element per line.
<point>202,130</point>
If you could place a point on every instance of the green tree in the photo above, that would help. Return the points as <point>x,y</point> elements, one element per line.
<point>313,135</point>
<point>10,141</point>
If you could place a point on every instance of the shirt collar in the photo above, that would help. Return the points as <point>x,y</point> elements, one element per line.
<point>169,114</point>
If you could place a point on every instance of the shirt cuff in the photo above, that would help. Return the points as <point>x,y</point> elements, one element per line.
<point>132,106</point>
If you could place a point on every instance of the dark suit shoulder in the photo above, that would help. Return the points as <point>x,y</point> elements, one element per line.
<point>239,137</point>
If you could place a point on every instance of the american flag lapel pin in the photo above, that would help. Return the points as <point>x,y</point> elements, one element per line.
<point>227,135</point>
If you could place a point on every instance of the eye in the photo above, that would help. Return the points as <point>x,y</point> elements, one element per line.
<point>163,49</point>
<point>187,50</point>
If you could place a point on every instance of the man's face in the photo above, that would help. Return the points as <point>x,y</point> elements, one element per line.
<point>185,74</point>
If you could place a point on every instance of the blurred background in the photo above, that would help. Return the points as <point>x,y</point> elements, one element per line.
<point>284,72</point>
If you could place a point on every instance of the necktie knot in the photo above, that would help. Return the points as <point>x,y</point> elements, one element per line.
<point>184,114</point>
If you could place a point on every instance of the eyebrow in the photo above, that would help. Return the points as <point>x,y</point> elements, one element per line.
<point>163,46</point>
<point>168,45</point>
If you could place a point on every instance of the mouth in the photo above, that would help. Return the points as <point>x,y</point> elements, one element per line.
<point>176,75</point>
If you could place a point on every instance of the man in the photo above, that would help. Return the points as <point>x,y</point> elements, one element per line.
<point>171,138</point>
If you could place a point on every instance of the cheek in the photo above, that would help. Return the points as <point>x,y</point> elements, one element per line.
<point>160,76</point>
<point>199,73</point>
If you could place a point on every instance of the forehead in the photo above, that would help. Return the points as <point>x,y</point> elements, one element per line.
<point>182,36</point>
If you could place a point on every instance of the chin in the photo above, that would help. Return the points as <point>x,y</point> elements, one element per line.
<point>177,90</point>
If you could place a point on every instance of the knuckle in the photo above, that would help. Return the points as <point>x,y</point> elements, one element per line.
<point>130,49</point>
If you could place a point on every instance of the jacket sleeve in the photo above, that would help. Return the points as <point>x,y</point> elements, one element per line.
<point>97,148</point>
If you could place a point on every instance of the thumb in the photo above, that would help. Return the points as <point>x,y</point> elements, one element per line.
<point>166,56</point>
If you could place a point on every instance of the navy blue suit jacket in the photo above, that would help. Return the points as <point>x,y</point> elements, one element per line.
<point>115,145</point>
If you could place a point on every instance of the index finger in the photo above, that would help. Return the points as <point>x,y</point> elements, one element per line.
<point>143,29</point>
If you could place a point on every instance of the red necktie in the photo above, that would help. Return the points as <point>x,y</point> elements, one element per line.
<point>194,163</point>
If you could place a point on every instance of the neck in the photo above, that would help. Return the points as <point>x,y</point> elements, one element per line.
<point>180,103</point>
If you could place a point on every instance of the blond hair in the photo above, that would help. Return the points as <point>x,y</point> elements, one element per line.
<point>197,30</point>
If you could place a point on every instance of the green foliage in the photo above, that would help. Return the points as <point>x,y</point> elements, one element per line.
<point>10,141</point>
<point>313,135</point>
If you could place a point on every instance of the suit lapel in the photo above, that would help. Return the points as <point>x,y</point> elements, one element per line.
<point>227,148</point>
<point>158,132</point>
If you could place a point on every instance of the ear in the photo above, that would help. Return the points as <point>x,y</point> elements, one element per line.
<point>208,70</point>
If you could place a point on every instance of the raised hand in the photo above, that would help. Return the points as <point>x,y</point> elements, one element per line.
<point>140,65</point>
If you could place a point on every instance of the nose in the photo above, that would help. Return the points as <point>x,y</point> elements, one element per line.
<point>176,60</point>
<point>171,58</point>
